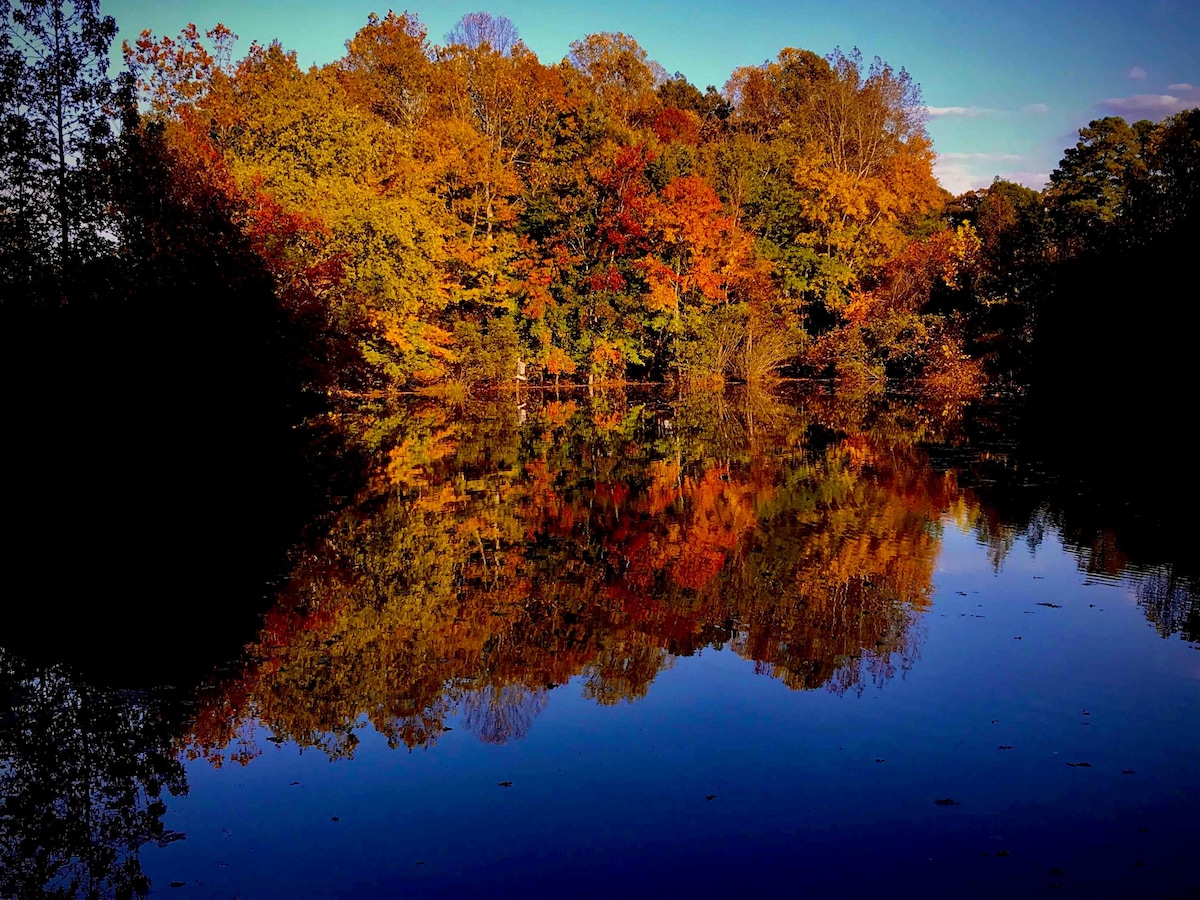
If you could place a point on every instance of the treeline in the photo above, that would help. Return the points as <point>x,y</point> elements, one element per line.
<point>456,212</point>
<point>1060,268</point>
<point>462,212</point>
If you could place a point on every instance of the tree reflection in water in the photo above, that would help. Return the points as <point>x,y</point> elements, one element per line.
<point>494,551</point>
<point>83,777</point>
<point>486,560</point>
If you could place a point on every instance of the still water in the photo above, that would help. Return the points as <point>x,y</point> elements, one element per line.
<point>717,645</point>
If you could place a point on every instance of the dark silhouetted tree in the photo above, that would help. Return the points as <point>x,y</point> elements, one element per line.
<point>57,104</point>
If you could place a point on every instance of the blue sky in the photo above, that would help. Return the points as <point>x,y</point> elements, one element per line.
<point>1007,83</point>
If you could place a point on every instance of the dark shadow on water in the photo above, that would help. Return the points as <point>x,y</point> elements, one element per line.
<point>85,775</point>
<point>154,473</point>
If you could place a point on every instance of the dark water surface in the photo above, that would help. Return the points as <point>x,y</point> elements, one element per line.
<point>715,645</point>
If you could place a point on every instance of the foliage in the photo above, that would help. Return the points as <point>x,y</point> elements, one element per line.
<point>497,553</point>
<point>466,211</point>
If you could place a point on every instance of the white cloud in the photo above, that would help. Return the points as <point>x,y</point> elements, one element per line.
<point>957,178</point>
<point>980,157</point>
<point>1137,72</point>
<point>1182,96</point>
<point>961,172</point>
<point>972,112</point>
<point>938,112</point>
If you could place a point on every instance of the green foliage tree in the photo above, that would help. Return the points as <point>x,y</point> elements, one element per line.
<point>1173,197</point>
<point>1091,190</point>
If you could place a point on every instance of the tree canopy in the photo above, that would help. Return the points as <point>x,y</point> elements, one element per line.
<point>453,213</point>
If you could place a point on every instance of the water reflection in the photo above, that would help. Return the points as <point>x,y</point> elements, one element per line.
<point>490,553</point>
<point>498,550</point>
<point>84,774</point>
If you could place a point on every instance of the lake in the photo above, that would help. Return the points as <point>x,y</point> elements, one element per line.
<point>634,642</point>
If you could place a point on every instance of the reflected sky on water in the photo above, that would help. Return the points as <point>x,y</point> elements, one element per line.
<point>727,642</point>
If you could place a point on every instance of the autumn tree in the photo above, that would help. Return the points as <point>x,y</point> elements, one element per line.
<point>620,72</point>
<point>454,208</point>
<point>172,72</point>
<point>387,69</point>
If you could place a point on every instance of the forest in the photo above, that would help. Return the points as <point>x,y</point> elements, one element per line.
<point>445,216</point>
<point>294,367</point>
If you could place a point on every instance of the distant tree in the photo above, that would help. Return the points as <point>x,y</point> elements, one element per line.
<point>479,29</point>
<point>679,93</point>
<point>1009,220</point>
